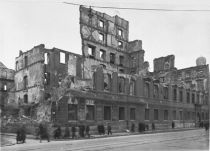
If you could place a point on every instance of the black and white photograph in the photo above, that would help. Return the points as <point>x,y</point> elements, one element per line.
<point>104,75</point>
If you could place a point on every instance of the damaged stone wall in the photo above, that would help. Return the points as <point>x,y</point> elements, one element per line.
<point>164,63</point>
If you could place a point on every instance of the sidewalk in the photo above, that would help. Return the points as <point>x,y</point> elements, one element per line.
<point>8,139</point>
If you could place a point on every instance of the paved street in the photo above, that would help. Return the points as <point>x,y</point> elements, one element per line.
<point>182,140</point>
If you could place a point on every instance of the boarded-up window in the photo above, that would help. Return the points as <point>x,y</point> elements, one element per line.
<point>72,111</point>
<point>165,114</point>
<point>121,113</point>
<point>146,114</point>
<point>107,112</point>
<point>132,113</point>
<point>90,112</point>
<point>156,116</point>
<point>62,57</point>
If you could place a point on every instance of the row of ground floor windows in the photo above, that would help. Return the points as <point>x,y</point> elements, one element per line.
<point>107,113</point>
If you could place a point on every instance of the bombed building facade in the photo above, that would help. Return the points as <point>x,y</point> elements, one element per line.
<point>110,81</point>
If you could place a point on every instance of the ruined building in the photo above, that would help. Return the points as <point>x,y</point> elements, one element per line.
<point>7,91</point>
<point>109,82</point>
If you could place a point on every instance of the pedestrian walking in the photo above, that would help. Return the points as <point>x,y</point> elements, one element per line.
<point>57,133</point>
<point>43,133</point>
<point>109,129</point>
<point>87,131</point>
<point>73,130</point>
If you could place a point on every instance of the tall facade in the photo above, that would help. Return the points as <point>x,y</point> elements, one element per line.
<point>110,81</point>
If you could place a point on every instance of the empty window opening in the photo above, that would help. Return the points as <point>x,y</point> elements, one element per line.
<point>120,44</point>
<point>121,60</point>
<point>156,116</point>
<point>91,51</point>
<point>132,86</point>
<point>121,113</point>
<point>46,58</point>
<point>62,57</point>
<point>103,54</point>
<point>25,82</point>
<point>188,97</point>
<point>16,65</point>
<point>107,112</point>
<point>101,23</point>
<point>121,85</point>
<point>72,112</point>
<point>174,93</point>
<point>46,78</point>
<point>25,97</point>
<point>165,114</point>
<point>180,96</point>
<point>101,37</point>
<point>146,114</point>
<point>146,89</point>
<point>90,112</point>
<point>188,115</point>
<point>156,91</point>
<point>132,113</point>
<point>165,92</point>
<point>193,98</point>
<point>5,87</point>
<point>26,60</point>
<point>120,32</point>
<point>112,58</point>
<point>107,81</point>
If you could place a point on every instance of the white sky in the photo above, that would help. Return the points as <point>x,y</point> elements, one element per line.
<point>27,23</point>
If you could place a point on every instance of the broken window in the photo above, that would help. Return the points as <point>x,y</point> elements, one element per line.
<point>91,51</point>
<point>146,114</point>
<point>46,58</point>
<point>132,86</point>
<point>25,82</point>
<point>165,114</point>
<point>112,58</point>
<point>26,60</point>
<point>156,116</point>
<point>146,89</point>
<point>121,60</point>
<point>132,113</point>
<point>25,98</point>
<point>101,37</point>
<point>156,91</point>
<point>46,78</point>
<point>121,85</point>
<point>121,113</point>
<point>188,97</point>
<point>103,54</point>
<point>107,112</point>
<point>72,112</point>
<point>90,112</point>
<point>193,98</point>
<point>174,115</point>
<point>62,57</point>
<point>165,92</point>
<point>120,44</point>
<point>174,93</point>
<point>180,96</point>
<point>119,32</point>
<point>101,23</point>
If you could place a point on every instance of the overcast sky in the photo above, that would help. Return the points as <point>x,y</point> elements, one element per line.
<point>27,23</point>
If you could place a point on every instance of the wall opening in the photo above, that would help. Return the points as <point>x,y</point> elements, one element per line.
<point>107,113</point>
<point>62,57</point>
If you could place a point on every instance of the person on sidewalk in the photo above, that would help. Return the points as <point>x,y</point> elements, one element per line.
<point>109,129</point>
<point>73,130</point>
<point>21,135</point>
<point>43,133</point>
<point>87,130</point>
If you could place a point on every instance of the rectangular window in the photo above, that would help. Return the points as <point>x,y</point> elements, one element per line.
<point>165,114</point>
<point>146,114</point>
<point>174,94</point>
<point>72,112</point>
<point>90,112</point>
<point>4,87</point>
<point>121,63</point>
<point>46,58</point>
<point>101,23</point>
<point>25,82</point>
<point>165,92</point>
<point>193,98</point>
<point>174,115</point>
<point>132,113</point>
<point>180,96</point>
<point>121,113</point>
<point>25,97</point>
<point>62,57</point>
<point>119,32</point>
<point>156,117</point>
<point>146,89</point>
<point>156,92</point>
<point>101,37</point>
<point>180,115</point>
<point>121,84</point>
<point>132,86</point>
<point>112,58</point>
<point>107,112</point>
<point>103,54</point>
<point>188,97</point>
<point>26,61</point>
